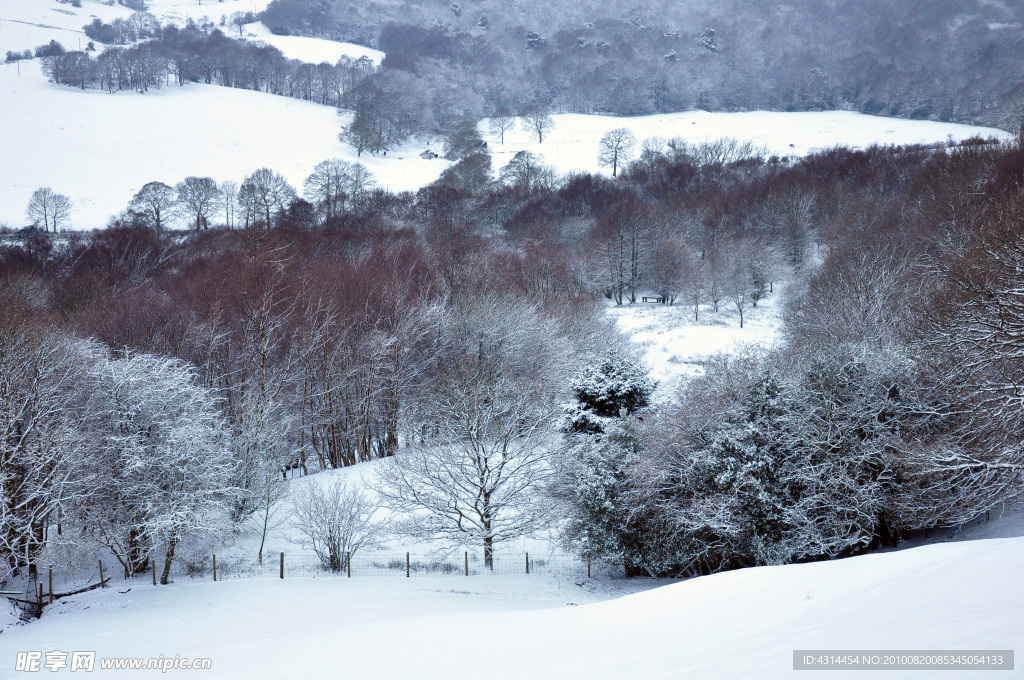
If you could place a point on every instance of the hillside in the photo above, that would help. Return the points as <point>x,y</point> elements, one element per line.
<point>59,134</point>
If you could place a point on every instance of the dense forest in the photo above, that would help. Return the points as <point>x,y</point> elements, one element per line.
<point>154,384</point>
<point>951,61</point>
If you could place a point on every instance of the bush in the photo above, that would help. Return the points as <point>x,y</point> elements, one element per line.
<point>51,49</point>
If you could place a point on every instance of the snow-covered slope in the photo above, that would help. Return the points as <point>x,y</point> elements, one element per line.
<point>312,50</point>
<point>674,345</point>
<point>26,24</point>
<point>573,143</point>
<point>742,624</point>
<point>100,149</point>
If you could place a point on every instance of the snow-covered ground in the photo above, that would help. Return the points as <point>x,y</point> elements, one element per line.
<point>283,537</point>
<point>100,149</point>
<point>179,11</point>
<point>312,50</point>
<point>573,143</point>
<point>26,24</point>
<point>675,346</point>
<point>741,624</point>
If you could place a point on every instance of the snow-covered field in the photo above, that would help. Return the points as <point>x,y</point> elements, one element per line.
<point>674,346</point>
<point>25,24</point>
<point>283,537</point>
<point>573,143</point>
<point>742,624</point>
<point>179,11</point>
<point>312,50</point>
<point>100,149</point>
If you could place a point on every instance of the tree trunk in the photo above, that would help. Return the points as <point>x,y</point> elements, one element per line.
<point>168,558</point>
<point>489,551</point>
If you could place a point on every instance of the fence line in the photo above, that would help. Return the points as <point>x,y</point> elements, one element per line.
<point>54,582</point>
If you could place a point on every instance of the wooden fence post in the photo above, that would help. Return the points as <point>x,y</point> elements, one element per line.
<point>348,563</point>
<point>40,599</point>
<point>101,575</point>
<point>282,565</point>
<point>51,584</point>
<point>467,563</point>
<point>407,565</point>
<point>588,567</point>
<point>152,568</point>
<point>215,567</point>
<point>527,563</point>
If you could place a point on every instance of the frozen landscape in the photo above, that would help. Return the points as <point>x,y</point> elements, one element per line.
<point>55,134</point>
<point>680,419</point>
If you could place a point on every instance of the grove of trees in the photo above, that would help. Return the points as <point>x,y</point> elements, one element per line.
<point>154,385</point>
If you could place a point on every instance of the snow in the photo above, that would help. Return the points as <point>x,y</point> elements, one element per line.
<point>284,538</point>
<point>741,624</point>
<point>573,143</point>
<point>675,346</point>
<point>179,11</point>
<point>312,50</point>
<point>100,149</point>
<point>26,25</point>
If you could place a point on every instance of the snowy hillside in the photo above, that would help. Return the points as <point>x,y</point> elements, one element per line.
<point>674,345</point>
<point>573,143</point>
<point>56,135</point>
<point>59,137</point>
<point>283,537</point>
<point>25,24</point>
<point>742,624</point>
<point>312,50</point>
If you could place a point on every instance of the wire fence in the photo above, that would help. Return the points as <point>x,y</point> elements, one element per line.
<point>51,583</point>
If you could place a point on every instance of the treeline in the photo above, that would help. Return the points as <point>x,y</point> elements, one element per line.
<point>328,331</point>
<point>198,53</point>
<point>948,61</point>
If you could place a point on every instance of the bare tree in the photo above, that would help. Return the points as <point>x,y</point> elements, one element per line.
<point>616,148</point>
<point>476,474</point>
<point>501,122</point>
<point>155,200</point>
<point>358,184</point>
<point>48,208</point>
<point>326,187</point>
<point>335,521</point>
<point>265,193</point>
<point>671,264</point>
<point>538,120</point>
<point>198,198</point>
<point>527,172</point>
<point>229,199</point>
